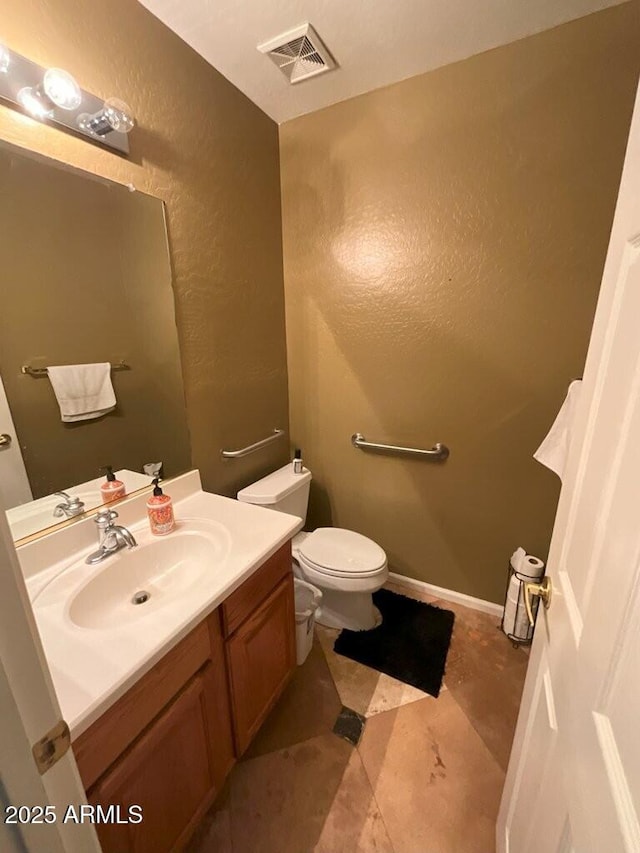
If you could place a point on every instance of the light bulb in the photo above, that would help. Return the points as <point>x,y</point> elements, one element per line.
<point>31,100</point>
<point>115,115</point>
<point>5,59</point>
<point>119,115</point>
<point>61,89</point>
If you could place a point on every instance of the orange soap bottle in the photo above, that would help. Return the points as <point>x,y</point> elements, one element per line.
<point>160,511</point>
<point>112,489</point>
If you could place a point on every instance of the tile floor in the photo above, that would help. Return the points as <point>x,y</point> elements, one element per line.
<point>426,776</point>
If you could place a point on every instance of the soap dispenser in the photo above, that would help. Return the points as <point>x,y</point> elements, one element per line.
<point>297,461</point>
<point>160,511</point>
<point>112,489</point>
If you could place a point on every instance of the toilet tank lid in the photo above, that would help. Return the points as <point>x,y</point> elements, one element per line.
<point>274,487</point>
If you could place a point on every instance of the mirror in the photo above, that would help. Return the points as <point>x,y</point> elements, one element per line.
<point>86,278</point>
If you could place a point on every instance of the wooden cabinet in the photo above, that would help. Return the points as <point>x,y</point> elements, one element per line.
<point>261,656</point>
<point>105,741</point>
<point>169,772</point>
<point>258,621</point>
<point>168,744</point>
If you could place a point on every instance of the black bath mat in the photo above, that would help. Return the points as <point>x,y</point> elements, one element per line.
<point>411,644</point>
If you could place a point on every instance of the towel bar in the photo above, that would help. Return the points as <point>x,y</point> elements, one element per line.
<point>42,371</point>
<point>251,448</point>
<point>438,452</point>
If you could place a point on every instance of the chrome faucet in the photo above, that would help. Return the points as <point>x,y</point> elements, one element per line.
<point>112,537</point>
<point>71,507</point>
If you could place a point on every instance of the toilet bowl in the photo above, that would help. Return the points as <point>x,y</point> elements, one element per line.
<point>346,566</point>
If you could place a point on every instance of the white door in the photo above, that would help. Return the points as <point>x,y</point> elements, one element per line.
<point>573,783</point>
<point>21,784</point>
<point>28,710</point>
<point>14,485</point>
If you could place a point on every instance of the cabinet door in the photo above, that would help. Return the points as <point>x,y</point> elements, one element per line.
<point>170,772</point>
<point>261,656</point>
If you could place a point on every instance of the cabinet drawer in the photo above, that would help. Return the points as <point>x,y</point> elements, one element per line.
<point>255,589</point>
<point>97,748</point>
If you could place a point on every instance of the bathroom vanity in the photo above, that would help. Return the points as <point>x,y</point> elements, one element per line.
<point>170,741</point>
<point>161,702</point>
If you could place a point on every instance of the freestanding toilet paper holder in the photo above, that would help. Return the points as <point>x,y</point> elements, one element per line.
<point>518,616</point>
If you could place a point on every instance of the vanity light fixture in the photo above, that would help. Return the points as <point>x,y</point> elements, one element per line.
<point>53,95</point>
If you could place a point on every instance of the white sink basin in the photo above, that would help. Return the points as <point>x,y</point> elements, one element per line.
<point>156,572</point>
<point>136,582</point>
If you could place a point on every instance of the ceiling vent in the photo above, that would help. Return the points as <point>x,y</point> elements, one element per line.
<point>299,54</point>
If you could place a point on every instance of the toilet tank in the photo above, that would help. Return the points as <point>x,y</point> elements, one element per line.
<point>282,490</point>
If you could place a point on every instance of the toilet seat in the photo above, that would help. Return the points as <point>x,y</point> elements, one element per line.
<point>336,552</point>
<point>345,566</point>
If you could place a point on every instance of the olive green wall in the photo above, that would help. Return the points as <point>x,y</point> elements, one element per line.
<point>212,156</point>
<point>444,240</point>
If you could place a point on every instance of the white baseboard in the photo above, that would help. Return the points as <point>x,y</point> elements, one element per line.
<point>448,594</point>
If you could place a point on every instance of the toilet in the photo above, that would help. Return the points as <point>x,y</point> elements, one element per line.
<point>347,567</point>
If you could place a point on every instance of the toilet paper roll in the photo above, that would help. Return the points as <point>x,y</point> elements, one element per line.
<point>526,565</point>
<point>526,568</point>
<point>516,558</point>
<point>522,629</point>
<point>515,621</point>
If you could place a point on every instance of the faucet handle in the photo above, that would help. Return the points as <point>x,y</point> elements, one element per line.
<point>72,502</point>
<point>105,517</point>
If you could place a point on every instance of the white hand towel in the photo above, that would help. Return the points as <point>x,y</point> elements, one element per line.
<point>554,449</point>
<point>83,391</point>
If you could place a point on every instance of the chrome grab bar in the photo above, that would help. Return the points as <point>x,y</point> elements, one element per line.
<point>438,452</point>
<point>42,371</point>
<point>245,451</point>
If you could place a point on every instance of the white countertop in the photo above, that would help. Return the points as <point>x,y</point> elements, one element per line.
<point>93,667</point>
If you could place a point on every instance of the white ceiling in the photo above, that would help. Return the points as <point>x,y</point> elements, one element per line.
<point>375,43</point>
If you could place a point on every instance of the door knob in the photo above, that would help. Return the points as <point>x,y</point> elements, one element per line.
<point>5,440</point>
<point>542,590</point>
